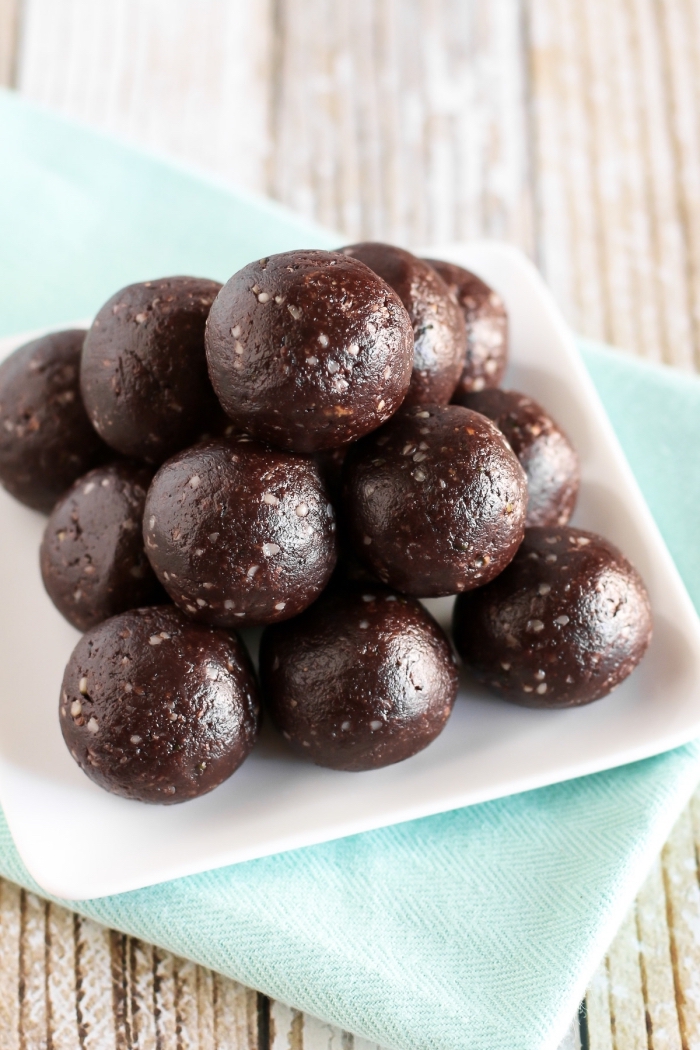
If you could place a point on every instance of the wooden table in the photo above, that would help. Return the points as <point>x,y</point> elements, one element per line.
<point>568,127</point>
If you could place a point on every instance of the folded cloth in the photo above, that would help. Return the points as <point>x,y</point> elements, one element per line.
<point>473,930</point>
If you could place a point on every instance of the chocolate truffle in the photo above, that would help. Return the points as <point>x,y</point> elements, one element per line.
<point>309,350</point>
<point>93,562</point>
<point>156,708</point>
<point>240,534</point>
<point>144,372</point>
<point>546,454</point>
<point>439,335</point>
<point>362,679</point>
<point>435,501</point>
<point>46,440</point>
<point>567,621</point>
<point>487,327</point>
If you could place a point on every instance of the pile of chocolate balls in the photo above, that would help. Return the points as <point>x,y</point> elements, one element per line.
<point>311,447</point>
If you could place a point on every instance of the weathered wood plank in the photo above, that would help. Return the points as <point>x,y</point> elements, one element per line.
<point>32,971</point>
<point>657,969</point>
<point>679,31</point>
<point>186,1005</point>
<point>459,122</point>
<point>568,249</point>
<point>317,1035</point>
<point>141,995</point>
<point>192,82</point>
<point>235,1015</point>
<point>120,989</point>
<point>286,1027</point>
<point>618,193</point>
<point>93,985</point>
<point>60,979</point>
<point>164,998</point>
<point>10,927</point>
<point>206,1025</point>
<point>599,1017</point>
<point>611,206</point>
<point>683,902</point>
<point>9,39</point>
<point>664,266</point>
<point>627,1012</point>
<point>402,121</point>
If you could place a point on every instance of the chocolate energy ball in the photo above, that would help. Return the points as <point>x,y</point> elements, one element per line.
<point>158,709</point>
<point>438,326</point>
<point>545,452</point>
<point>362,679</point>
<point>144,371</point>
<point>487,327</point>
<point>240,534</point>
<point>93,561</point>
<point>46,439</point>
<point>435,501</point>
<point>309,350</point>
<point>567,621</point>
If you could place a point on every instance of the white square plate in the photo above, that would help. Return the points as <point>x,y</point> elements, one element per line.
<point>78,841</point>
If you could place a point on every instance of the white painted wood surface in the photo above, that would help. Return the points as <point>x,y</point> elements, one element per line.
<point>571,129</point>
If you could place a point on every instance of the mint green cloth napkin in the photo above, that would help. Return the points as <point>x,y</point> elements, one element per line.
<point>473,930</point>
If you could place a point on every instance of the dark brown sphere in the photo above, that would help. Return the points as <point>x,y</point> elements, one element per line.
<point>309,350</point>
<point>566,622</point>
<point>240,534</point>
<point>435,501</point>
<point>487,327</point>
<point>362,679</point>
<point>144,371</point>
<point>438,326</point>
<point>92,558</point>
<point>545,452</point>
<point>159,709</point>
<point>46,439</point>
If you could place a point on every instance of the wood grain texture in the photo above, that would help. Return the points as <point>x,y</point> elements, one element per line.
<point>186,78</point>
<point>626,993</point>
<point>10,926</point>
<point>654,943</point>
<point>570,129</point>
<point>614,205</point>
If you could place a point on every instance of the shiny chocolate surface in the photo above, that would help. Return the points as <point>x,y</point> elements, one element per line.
<point>144,374</point>
<point>240,534</point>
<point>567,621</point>
<point>435,501</point>
<point>157,708</point>
<point>46,439</point>
<point>93,561</point>
<point>486,322</point>
<point>362,679</point>
<point>439,333</point>
<point>309,350</point>
<point>545,452</point>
